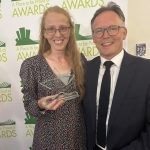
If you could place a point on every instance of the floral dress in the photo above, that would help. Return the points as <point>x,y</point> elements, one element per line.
<point>62,129</point>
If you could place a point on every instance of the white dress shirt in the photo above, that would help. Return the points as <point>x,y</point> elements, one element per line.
<point>114,71</point>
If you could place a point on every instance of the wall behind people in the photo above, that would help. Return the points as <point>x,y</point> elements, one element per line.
<point>139,27</point>
<point>19,38</point>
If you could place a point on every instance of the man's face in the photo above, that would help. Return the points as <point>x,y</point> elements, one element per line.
<point>108,34</point>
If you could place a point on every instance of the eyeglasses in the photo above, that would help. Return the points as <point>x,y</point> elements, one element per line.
<point>111,30</point>
<point>62,30</point>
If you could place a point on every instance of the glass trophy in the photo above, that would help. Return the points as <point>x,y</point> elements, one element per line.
<point>64,96</point>
<point>61,95</point>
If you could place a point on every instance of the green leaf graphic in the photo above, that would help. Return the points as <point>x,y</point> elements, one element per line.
<point>5,85</point>
<point>8,122</point>
<point>30,148</point>
<point>23,37</point>
<point>15,0</point>
<point>29,119</point>
<point>2,44</point>
<point>80,37</point>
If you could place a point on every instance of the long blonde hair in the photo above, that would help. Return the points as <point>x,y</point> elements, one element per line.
<point>71,51</point>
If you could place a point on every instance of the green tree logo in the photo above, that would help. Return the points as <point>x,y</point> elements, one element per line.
<point>2,44</point>
<point>29,119</point>
<point>80,37</point>
<point>23,37</point>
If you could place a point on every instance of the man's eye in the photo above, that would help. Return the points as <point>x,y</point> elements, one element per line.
<point>113,28</point>
<point>99,31</point>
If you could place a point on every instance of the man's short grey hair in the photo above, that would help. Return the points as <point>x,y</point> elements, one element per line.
<point>111,6</point>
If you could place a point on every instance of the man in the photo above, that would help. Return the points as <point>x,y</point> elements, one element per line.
<point>128,115</point>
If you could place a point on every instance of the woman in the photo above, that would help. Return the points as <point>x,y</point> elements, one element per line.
<point>53,85</point>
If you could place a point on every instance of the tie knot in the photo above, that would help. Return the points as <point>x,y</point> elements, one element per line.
<point>108,64</point>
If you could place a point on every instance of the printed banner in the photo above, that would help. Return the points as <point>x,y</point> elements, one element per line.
<point>19,39</point>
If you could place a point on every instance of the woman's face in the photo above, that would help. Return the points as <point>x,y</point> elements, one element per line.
<point>57,31</point>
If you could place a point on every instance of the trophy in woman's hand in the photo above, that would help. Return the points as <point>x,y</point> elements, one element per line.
<point>61,95</point>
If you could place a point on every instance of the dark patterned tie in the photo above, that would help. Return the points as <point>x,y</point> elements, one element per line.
<point>103,105</point>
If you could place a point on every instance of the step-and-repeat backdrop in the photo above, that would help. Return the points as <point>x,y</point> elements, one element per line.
<point>19,38</point>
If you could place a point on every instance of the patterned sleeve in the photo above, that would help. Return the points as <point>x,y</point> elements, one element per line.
<point>29,87</point>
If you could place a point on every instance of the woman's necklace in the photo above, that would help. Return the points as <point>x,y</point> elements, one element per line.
<point>58,67</point>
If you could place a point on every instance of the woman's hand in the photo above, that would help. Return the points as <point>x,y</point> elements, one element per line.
<point>55,104</point>
<point>44,102</point>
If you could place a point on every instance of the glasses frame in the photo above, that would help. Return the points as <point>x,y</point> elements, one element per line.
<point>108,29</point>
<point>62,30</point>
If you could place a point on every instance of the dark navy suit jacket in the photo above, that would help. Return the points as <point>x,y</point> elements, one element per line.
<point>129,121</point>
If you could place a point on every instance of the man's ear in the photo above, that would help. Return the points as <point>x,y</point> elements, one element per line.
<point>94,39</point>
<point>125,33</point>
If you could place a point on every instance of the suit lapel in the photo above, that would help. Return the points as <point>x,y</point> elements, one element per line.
<point>124,78</point>
<point>93,72</point>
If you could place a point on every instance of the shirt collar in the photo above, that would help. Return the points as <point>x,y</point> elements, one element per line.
<point>116,60</point>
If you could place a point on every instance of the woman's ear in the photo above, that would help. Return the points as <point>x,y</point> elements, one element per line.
<point>45,35</point>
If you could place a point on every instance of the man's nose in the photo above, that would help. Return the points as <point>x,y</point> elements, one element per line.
<point>105,33</point>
